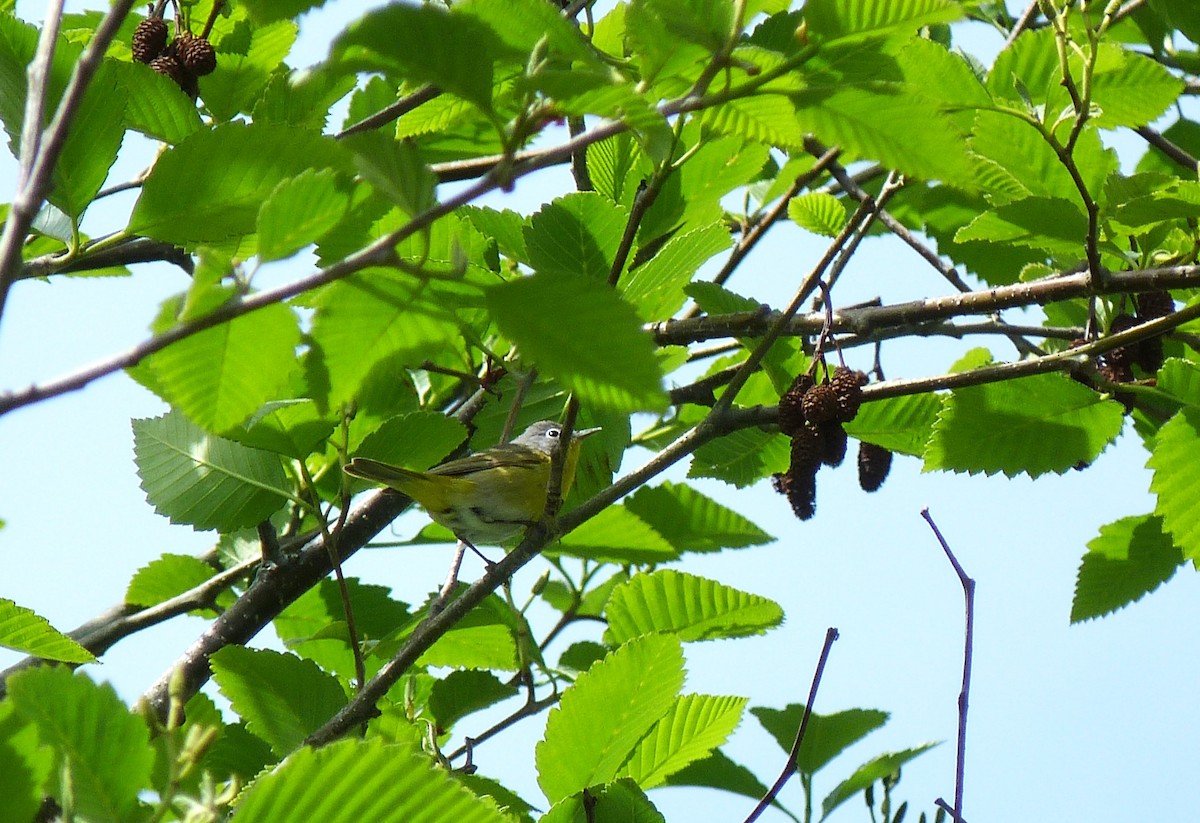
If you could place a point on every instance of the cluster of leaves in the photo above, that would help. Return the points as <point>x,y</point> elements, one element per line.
<point>424,302</point>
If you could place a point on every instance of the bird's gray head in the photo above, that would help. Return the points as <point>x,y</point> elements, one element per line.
<point>546,435</point>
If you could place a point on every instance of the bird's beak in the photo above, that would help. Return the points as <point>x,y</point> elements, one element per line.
<point>579,434</point>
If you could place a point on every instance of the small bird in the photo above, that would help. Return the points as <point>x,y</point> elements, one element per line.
<point>489,496</point>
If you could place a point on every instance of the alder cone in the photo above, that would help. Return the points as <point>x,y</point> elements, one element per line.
<point>801,493</point>
<point>806,451</point>
<point>169,66</point>
<point>874,463</point>
<point>1150,306</point>
<point>820,404</point>
<point>1123,357</point>
<point>196,54</point>
<point>149,39</point>
<point>833,443</point>
<point>847,388</point>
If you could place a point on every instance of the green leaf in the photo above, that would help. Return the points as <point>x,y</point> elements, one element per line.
<point>1131,557</point>
<point>242,166</point>
<point>692,522</point>
<point>604,714</point>
<point>525,24</point>
<point>687,606</point>
<point>1181,379</point>
<point>357,780</point>
<point>416,440</point>
<point>169,576</point>
<point>222,375</point>
<point>268,11</point>
<point>97,130</point>
<point>741,458</point>
<point>1048,223</point>
<point>900,424</point>
<point>298,212</point>
<point>25,767</point>
<point>154,104</point>
<point>397,38</point>
<point>577,234</point>
<point>289,427</point>
<point>619,802</point>
<point>1130,89</point>
<point>486,638</point>
<point>866,774</point>
<point>206,481</point>
<point>106,749</point>
<point>656,288</point>
<point>900,130</point>
<point>460,693</point>
<point>616,535</point>
<point>764,118</point>
<point>826,736</point>
<point>717,771</point>
<point>281,697</point>
<point>395,168</point>
<point>609,364</point>
<point>1032,425</point>
<point>505,226</point>
<point>243,71</point>
<point>841,19</point>
<point>25,631</point>
<point>1176,480</point>
<point>819,212</point>
<point>370,326</point>
<point>693,727</point>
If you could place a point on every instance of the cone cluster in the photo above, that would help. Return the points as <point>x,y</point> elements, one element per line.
<point>1117,365</point>
<point>185,59</point>
<point>812,414</point>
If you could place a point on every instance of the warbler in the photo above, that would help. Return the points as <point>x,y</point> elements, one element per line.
<point>489,496</point>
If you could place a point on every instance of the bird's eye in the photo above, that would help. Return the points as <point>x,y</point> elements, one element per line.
<point>553,433</point>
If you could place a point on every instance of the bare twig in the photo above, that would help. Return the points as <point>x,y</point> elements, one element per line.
<point>1171,150</point>
<point>393,112</point>
<point>1023,22</point>
<point>792,765</point>
<point>968,586</point>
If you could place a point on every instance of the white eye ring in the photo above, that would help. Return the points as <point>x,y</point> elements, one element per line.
<point>553,432</point>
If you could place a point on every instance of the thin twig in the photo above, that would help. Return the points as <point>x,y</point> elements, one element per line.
<point>793,761</point>
<point>1171,150</point>
<point>968,586</point>
<point>393,112</point>
<point>1023,22</point>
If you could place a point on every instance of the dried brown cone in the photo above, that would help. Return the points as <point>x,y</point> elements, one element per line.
<point>833,443</point>
<point>1150,306</point>
<point>1119,374</point>
<point>791,405</point>
<point>820,404</point>
<point>801,493</point>
<point>197,54</point>
<point>149,39</point>
<point>169,66</point>
<point>1123,357</point>
<point>847,387</point>
<point>806,451</point>
<point>874,463</point>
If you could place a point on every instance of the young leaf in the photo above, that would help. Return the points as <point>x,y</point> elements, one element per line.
<point>288,427</point>
<point>1131,557</point>
<point>281,697</point>
<point>222,375</point>
<point>717,771</point>
<point>460,693</point>
<point>1050,224</point>
<point>25,631</point>
<point>1176,480</point>
<point>242,164</point>
<point>206,481</point>
<point>25,766</point>
<point>616,535</point>
<point>655,288</point>
<point>819,212</point>
<point>416,440</point>
<point>1032,425</point>
<point>357,780</point>
<point>154,104</point>
<point>576,235</point>
<point>692,522</point>
<point>742,457</point>
<point>169,576</point>
<point>396,39</point>
<point>687,606</point>
<point>901,424</point>
<point>92,733</point>
<point>243,71</point>
<point>826,736</point>
<point>609,363</point>
<point>866,774</point>
<point>1130,89</point>
<point>298,212</point>
<point>97,130</point>
<point>694,726</point>
<point>373,324</point>
<point>841,19</point>
<point>604,714</point>
<point>621,801</point>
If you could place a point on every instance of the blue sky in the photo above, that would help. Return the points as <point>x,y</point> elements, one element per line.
<point>1091,722</point>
